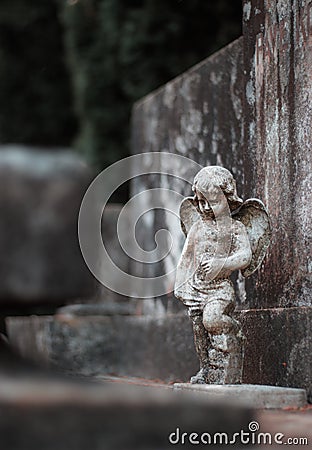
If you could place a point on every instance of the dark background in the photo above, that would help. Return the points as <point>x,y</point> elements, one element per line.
<point>70,70</point>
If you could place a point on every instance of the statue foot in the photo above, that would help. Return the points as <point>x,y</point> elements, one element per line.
<point>200,378</point>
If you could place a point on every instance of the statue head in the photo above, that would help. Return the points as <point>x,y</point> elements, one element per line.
<point>213,178</point>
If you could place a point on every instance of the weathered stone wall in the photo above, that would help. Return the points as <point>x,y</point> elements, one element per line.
<point>249,108</point>
<point>198,114</point>
<point>278,137</point>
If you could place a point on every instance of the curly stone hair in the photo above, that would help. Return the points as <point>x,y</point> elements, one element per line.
<point>221,177</point>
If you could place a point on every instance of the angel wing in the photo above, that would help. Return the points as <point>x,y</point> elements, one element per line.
<point>256,220</point>
<point>188,214</point>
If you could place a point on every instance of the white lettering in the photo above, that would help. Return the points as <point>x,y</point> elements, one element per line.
<point>233,440</point>
<point>192,438</point>
<point>221,436</point>
<point>182,438</point>
<point>171,436</point>
<point>265,436</point>
<point>208,438</point>
<point>244,441</point>
<point>278,438</point>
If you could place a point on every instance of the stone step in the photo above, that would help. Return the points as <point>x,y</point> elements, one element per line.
<point>46,413</point>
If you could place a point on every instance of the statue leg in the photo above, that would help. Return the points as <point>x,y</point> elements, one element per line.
<point>202,344</point>
<point>227,342</point>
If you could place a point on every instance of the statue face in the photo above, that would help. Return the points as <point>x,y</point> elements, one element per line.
<point>203,204</point>
<point>213,203</point>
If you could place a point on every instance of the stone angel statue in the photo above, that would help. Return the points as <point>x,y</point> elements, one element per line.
<point>223,234</point>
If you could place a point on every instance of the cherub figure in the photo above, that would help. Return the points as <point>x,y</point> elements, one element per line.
<point>223,234</point>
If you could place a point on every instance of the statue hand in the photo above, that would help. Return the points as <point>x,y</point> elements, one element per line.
<point>211,266</point>
<point>206,265</point>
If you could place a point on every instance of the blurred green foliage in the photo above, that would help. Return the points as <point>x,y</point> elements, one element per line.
<point>117,51</point>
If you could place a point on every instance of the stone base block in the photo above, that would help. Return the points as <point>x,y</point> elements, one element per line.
<point>257,396</point>
<point>154,348</point>
<point>278,347</point>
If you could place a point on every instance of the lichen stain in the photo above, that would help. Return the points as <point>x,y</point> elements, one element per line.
<point>169,95</point>
<point>247,11</point>
<point>250,93</point>
<point>189,85</point>
<point>295,357</point>
<point>180,145</point>
<point>191,122</point>
<point>235,99</point>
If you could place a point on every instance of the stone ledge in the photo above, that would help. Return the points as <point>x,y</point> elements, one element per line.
<point>256,396</point>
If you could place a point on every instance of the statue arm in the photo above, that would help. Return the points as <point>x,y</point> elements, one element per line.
<point>239,257</point>
<point>242,254</point>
